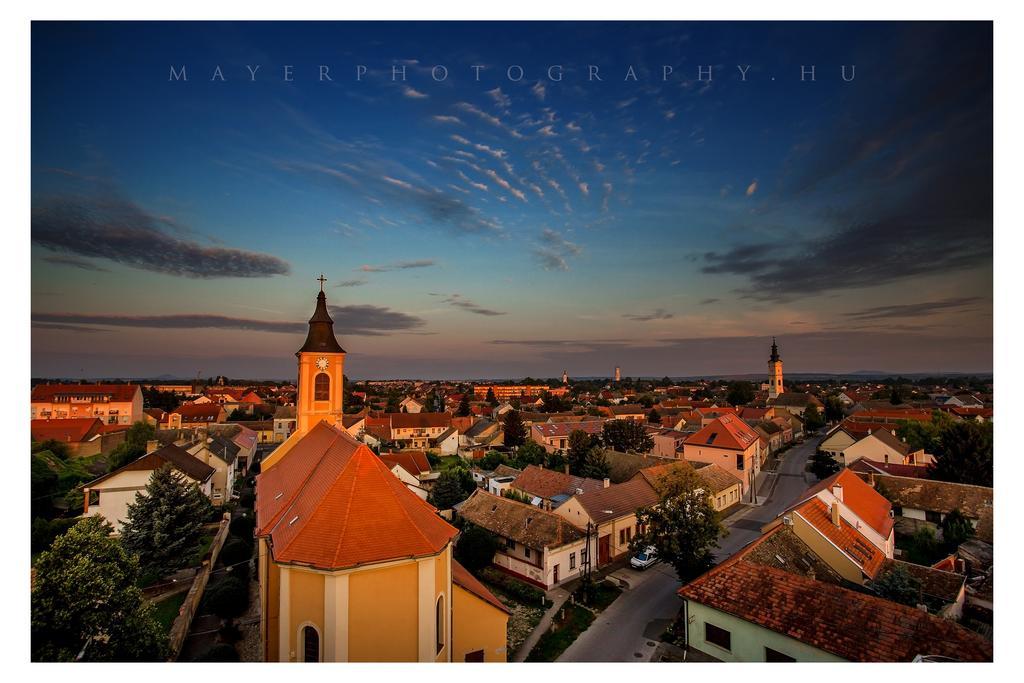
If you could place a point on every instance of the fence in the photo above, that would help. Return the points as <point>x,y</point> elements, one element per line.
<point>183,622</point>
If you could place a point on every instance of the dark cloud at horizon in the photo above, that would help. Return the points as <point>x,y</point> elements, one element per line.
<point>120,231</point>
<point>915,310</point>
<point>656,314</point>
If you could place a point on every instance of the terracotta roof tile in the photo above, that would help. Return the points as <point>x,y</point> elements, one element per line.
<point>331,503</point>
<point>520,522</point>
<point>413,462</point>
<point>849,624</point>
<point>727,431</point>
<point>112,392</point>
<point>545,483</point>
<point>845,536</point>
<point>462,577</point>
<point>71,430</point>
<point>618,500</point>
<point>864,501</point>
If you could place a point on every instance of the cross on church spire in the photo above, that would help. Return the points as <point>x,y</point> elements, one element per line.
<point>322,280</point>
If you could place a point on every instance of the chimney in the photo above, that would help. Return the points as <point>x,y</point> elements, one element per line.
<point>607,482</point>
<point>835,514</point>
<point>567,468</point>
<point>837,491</point>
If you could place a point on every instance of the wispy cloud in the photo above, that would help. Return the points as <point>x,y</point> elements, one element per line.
<point>413,93</point>
<point>554,250</point>
<point>656,314</point>
<point>539,90</point>
<point>358,282</point>
<point>752,188</point>
<point>440,118</point>
<point>459,301</point>
<point>398,265</point>
<point>916,310</point>
<point>75,263</point>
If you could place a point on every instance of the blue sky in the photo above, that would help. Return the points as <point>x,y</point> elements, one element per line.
<point>506,227</point>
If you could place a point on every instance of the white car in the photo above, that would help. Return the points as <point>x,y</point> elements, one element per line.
<point>644,559</point>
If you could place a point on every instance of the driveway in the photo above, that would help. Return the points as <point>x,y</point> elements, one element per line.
<point>628,630</point>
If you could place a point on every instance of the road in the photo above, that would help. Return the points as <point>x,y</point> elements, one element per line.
<point>628,630</point>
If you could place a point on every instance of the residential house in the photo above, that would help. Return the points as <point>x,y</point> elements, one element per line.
<point>723,488</point>
<point>883,446</point>
<point>83,436</point>
<point>555,436</point>
<point>610,515</point>
<point>846,523</point>
<point>625,411</point>
<point>746,611</point>
<point>411,405</point>
<point>920,502</point>
<point>536,546</point>
<point>284,423</point>
<point>408,466</point>
<point>119,404</point>
<point>109,495</point>
<point>549,488</point>
<point>729,442</point>
<point>221,454</point>
<point>500,480</point>
<point>196,416</point>
<point>796,402</point>
<point>416,430</point>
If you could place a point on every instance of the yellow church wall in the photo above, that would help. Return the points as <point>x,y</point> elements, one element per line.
<point>270,594</point>
<point>478,625</point>
<point>305,607</point>
<point>382,617</point>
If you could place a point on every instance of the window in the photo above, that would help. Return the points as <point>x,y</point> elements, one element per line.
<point>94,497</point>
<point>510,544</point>
<point>527,551</point>
<point>622,536</point>
<point>932,516</point>
<point>322,387</point>
<point>717,636</point>
<point>310,644</point>
<point>739,461</point>
<point>572,560</point>
<point>439,623</point>
<point>771,655</point>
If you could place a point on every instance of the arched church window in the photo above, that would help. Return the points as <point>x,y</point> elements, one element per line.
<point>439,623</point>
<point>322,387</point>
<point>310,644</point>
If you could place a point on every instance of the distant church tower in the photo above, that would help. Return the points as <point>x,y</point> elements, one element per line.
<point>618,374</point>
<point>565,376</point>
<point>321,367</point>
<point>775,372</point>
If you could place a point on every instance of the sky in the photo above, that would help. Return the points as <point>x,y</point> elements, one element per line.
<point>509,199</point>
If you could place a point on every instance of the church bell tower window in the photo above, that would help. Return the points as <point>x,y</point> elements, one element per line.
<point>322,387</point>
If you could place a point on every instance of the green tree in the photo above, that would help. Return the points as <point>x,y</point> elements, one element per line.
<point>833,409</point>
<point>514,429</point>
<point>164,524</point>
<point>813,419</point>
<point>594,464</point>
<point>740,393</point>
<point>491,460</point>
<point>896,395</point>
<point>654,416</point>
<point>530,453</point>
<point>58,448</point>
<point>684,528</point>
<point>85,600</point>
<point>449,489</point>
<point>463,410</point>
<point>133,446</point>
<point>964,454</point>
<point>475,548</point>
<point>923,548</point>
<point>899,586</point>
<point>491,398</point>
<point>925,435</point>
<point>823,465</point>
<point>579,445</point>
<point>626,436</point>
<point>956,529</point>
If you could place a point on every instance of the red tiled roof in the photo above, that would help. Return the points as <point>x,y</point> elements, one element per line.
<point>198,412</point>
<point>543,483</point>
<point>462,577</point>
<point>71,430</point>
<point>618,500</point>
<point>895,414</point>
<point>867,466</point>
<point>864,501</point>
<point>549,429</point>
<point>845,536</point>
<point>331,503</point>
<point>413,462</point>
<point>420,420</point>
<point>849,624</point>
<point>727,431</point>
<point>114,392</point>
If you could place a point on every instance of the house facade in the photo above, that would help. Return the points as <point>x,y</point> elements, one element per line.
<point>119,404</point>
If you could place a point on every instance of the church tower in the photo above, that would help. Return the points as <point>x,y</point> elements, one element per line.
<point>774,372</point>
<point>565,376</point>
<point>321,367</point>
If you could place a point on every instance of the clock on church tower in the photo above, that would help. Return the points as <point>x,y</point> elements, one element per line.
<point>321,362</point>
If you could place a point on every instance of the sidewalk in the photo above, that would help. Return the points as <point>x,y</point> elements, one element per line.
<point>557,595</point>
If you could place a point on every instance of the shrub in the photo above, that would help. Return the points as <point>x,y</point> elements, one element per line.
<point>515,589</point>
<point>235,551</point>
<point>247,500</point>
<point>475,548</point>
<point>45,531</point>
<point>228,598</point>
<point>222,652</point>
<point>242,528</point>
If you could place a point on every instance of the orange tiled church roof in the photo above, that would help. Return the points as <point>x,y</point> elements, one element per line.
<point>331,503</point>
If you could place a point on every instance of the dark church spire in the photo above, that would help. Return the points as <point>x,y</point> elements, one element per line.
<point>320,338</point>
<point>775,352</point>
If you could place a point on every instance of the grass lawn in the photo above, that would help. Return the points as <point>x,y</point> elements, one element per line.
<point>449,461</point>
<point>204,547</point>
<point>567,626</point>
<point>167,610</point>
<point>604,595</point>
